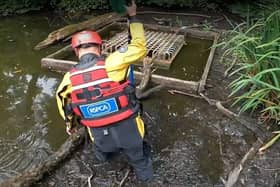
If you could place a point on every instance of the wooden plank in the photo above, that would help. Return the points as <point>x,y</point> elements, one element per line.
<point>61,53</point>
<point>209,35</point>
<point>171,82</point>
<point>57,65</point>
<point>65,65</point>
<point>208,65</point>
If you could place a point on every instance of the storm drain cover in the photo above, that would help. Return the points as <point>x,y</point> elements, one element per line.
<point>162,46</point>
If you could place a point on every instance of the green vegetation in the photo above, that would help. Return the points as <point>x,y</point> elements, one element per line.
<point>85,5</point>
<point>254,9</point>
<point>257,49</point>
<point>240,7</point>
<point>20,6</point>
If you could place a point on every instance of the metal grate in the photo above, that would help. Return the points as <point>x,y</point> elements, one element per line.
<point>162,46</point>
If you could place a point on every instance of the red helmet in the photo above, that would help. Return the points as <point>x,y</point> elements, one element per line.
<point>85,37</point>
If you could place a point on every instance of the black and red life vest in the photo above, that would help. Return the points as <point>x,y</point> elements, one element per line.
<point>97,99</point>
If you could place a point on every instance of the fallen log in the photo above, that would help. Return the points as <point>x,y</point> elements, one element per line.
<point>93,23</point>
<point>34,174</point>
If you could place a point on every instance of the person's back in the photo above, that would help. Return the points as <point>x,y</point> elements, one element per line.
<point>98,92</point>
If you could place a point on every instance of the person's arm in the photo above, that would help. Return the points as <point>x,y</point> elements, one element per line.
<point>63,103</point>
<point>117,63</point>
<point>62,94</point>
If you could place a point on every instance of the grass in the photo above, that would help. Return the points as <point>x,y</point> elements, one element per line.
<point>257,48</point>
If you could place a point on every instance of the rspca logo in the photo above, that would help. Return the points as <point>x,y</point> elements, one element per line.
<point>99,109</point>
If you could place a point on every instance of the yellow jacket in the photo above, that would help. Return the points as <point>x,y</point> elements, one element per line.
<point>117,64</point>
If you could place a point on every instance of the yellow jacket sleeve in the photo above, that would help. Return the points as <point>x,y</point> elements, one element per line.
<point>63,94</point>
<point>117,63</point>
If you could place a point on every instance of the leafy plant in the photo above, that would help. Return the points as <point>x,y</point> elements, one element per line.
<point>206,26</point>
<point>73,5</point>
<point>254,9</point>
<point>20,6</point>
<point>257,47</point>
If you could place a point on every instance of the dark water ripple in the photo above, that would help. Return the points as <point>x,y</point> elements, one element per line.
<point>28,149</point>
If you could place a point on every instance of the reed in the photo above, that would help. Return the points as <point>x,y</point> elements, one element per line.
<point>257,48</point>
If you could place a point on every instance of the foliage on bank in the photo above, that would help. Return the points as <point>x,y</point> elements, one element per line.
<point>240,7</point>
<point>20,6</point>
<point>256,48</point>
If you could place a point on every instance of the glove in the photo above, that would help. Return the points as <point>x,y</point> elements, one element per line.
<point>70,129</point>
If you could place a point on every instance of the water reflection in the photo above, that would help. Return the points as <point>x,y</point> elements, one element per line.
<point>30,146</point>
<point>26,96</point>
<point>48,85</point>
<point>28,149</point>
<point>24,140</point>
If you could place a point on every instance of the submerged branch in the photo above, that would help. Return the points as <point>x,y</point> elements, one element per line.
<point>260,133</point>
<point>124,178</point>
<point>234,174</point>
<point>219,106</point>
<point>184,93</point>
<point>144,95</point>
<point>211,102</point>
<point>34,174</point>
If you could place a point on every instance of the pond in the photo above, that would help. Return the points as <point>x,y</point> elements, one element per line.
<point>30,126</point>
<point>183,130</point>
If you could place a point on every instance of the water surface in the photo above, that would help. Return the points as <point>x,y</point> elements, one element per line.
<point>30,126</point>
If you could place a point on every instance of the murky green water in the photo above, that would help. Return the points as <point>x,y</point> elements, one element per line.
<point>191,60</point>
<point>31,128</point>
<point>30,125</point>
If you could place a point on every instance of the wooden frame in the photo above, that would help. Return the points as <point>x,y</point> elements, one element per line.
<point>55,63</point>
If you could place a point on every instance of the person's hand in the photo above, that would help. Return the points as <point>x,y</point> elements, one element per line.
<point>131,10</point>
<point>70,129</point>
